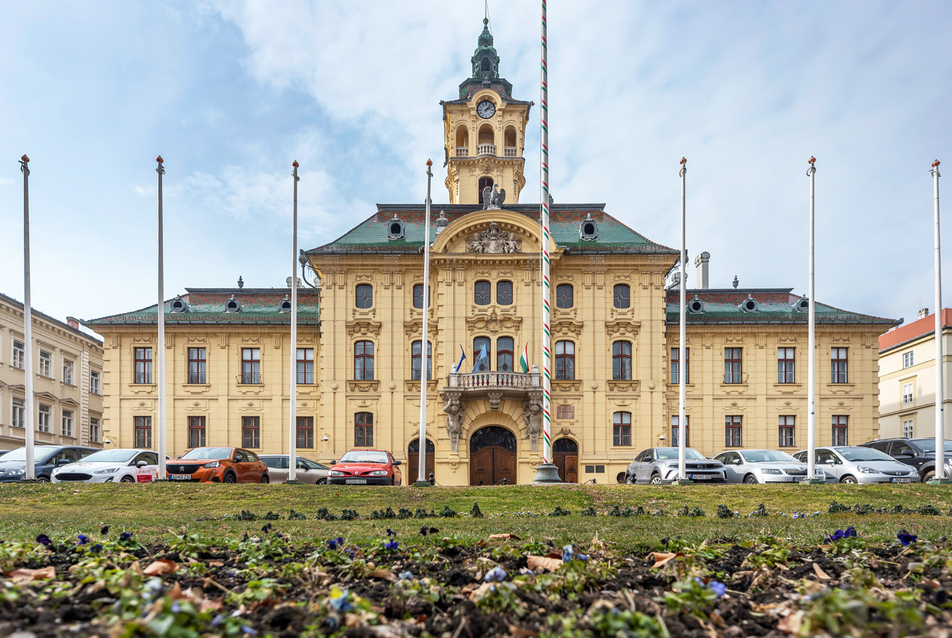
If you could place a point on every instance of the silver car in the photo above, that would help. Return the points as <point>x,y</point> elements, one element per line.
<point>308,471</point>
<point>763,466</point>
<point>660,465</point>
<point>854,464</point>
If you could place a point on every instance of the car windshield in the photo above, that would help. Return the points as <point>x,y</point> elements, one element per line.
<point>862,454</point>
<point>766,456</point>
<point>208,453</point>
<point>669,453</point>
<point>365,457</point>
<point>40,456</point>
<point>927,445</point>
<point>110,456</point>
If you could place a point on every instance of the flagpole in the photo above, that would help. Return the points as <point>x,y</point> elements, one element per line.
<point>940,476</point>
<point>811,340</point>
<point>292,404</point>
<point>424,345</point>
<point>682,358</point>
<point>160,362</point>
<point>27,324</point>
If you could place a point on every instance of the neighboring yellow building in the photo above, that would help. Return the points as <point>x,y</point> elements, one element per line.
<point>67,380</point>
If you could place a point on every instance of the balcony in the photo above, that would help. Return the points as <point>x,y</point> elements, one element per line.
<point>485,149</point>
<point>462,151</point>
<point>511,151</point>
<point>494,386</point>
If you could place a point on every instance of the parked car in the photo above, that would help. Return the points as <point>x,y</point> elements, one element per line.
<point>218,465</point>
<point>763,466</point>
<point>308,471</point>
<point>660,465</point>
<point>856,464</point>
<point>111,466</point>
<point>365,467</point>
<point>919,453</point>
<point>45,458</point>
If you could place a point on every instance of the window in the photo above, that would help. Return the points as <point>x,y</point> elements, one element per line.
<point>564,297</point>
<point>482,184</point>
<point>305,431</point>
<point>196,367</point>
<point>482,293</point>
<point>46,364</point>
<point>621,360</point>
<point>839,365</point>
<point>196,431</point>
<point>908,428</point>
<point>675,432</point>
<point>504,293</point>
<point>95,384</point>
<point>67,429</point>
<point>482,363</point>
<point>788,431</point>
<point>19,352</point>
<point>621,428</point>
<point>840,430</point>
<point>143,431</point>
<point>732,431</point>
<point>364,361</point>
<point>564,360</point>
<point>907,359</point>
<point>19,413</point>
<point>95,433</point>
<point>68,368</point>
<point>364,296</point>
<point>676,365</point>
<point>363,429</point>
<point>305,365</point>
<point>621,296</point>
<point>251,431</point>
<point>251,365</point>
<point>43,418</point>
<point>733,358</point>
<point>906,393</point>
<point>415,353</point>
<point>418,296</point>
<point>504,354</point>
<point>143,365</point>
<point>786,370</point>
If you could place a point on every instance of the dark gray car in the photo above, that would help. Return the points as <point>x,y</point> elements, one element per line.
<point>919,453</point>
<point>45,458</point>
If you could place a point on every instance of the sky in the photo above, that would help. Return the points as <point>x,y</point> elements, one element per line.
<point>231,92</point>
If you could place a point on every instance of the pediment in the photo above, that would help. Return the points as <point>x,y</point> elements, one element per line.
<point>491,232</point>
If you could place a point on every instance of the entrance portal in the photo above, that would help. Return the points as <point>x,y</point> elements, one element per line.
<point>565,457</point>
<point>413,461</point>
<point>492,456</point>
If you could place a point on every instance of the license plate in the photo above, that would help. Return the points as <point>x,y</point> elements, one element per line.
<point>356,481</point>
<point>701,477</point>
<point>180,477</point>
<point>902,480</point>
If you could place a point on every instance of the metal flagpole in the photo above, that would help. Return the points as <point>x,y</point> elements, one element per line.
<point>424,345</point>
<point>292,419</point>
<point>939,362</point>
<point>27,324</point>
<point>682,359</point>
<point>811,341</point>
<point>160,362</point>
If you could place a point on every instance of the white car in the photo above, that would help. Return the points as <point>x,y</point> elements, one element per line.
<point>111,466</point>
<point>764,466</point>
<point>854,464</point>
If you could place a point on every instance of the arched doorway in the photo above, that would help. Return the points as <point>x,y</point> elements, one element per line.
<point>565,457</point>
<point>412,470</point>
<point>492,456</point>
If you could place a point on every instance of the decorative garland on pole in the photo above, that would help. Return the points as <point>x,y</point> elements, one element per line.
<point>546,336</point>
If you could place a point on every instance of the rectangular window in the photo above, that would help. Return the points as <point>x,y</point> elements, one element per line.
<point>564,296</point>
<point>733,360</point>
<point>68,368</point>
<point>67,423</point>
<point>907,359</point>
<point>305,431</point>
<point>364,361</point>
<point>196,366</point>
<point>95,382</point>
<point>305,366</point>
<point>364,296</point>
<point>908,428</point>
<point>363,429</point>
<point>839,365</point>
<point>906,393</point>
<point>675,433</point>
<point>504,293</point>
<point>676,365</point>
<point>621,428</point>
<point>46,364</point>
<point>621,360</point>
<point>621,296</point>
<point>95,432</point>
<point>415,360</point>
<point>788,431</point>
<point>196,431</point>
<point>786,371</point>
<point>564,361</point>
<point>143,431</point>
<point>251,431</point>
<point>732,431</point>
<point>482,293</point>
<point>143,363</point>
<point>840,430</point>
<point>418,296</point>
<point>250,365</point>
<point>43,418</point>
<point>19,413</point>
<point>19,353</point>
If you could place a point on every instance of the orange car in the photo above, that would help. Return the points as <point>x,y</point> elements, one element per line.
<point>218,465</point>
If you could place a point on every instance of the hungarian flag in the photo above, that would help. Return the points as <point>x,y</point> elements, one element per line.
<point>524,359</point>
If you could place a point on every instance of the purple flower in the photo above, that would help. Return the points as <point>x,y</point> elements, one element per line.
<point>104,530</point>
<point>349,552</point>
<point>44,540</point>
<point>176,607</point>
<point>569,553</point>
<point>219,619</point>
<point>125,536</point>
<point>335,543</point>
<point>497,574</point>
<point>391,545</point>
<point>906,538</point>
<point>850,532</point>
<point>390,532</point>
<point>96,548</point>
<point>266,528</point>
<point>717,588</point>
<point>248,630</point>
<point>83,539</point>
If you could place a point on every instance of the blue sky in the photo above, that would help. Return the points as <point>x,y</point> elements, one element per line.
<point>230,92</point>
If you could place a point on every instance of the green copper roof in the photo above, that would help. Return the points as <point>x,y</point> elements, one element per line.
<point>371,236</point>
<point>208,306</point>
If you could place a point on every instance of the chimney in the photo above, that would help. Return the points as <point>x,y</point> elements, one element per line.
<point>701,262</point>
<point>72,322</point>
<point>923,313</point>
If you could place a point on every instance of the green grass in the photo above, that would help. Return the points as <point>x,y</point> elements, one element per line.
<point>156,512</point>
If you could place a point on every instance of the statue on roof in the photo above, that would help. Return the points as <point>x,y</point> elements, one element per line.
<point>493,197</point>
<point>494,240</point>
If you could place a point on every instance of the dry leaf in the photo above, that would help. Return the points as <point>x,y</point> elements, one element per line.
<point>791,623</point>
<point>159,567</point>
<point>383,574</point>
<point>543,562</point>
<point>822,575</point>
<point>24,575</point>
<point>504,537</point>
<point>476,594</point>
<point>663,558</point>
<point>515,630</point>
<point>213,604</point>
<point>215,563</point>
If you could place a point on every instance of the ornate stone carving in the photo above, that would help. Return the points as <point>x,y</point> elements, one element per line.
<point>494,240</point>
<point>363,328</point>
<point>495,398</point>
<point>455,408</point>
<point>493,197</point>
<point>532,415</point>
<point>493,323</point>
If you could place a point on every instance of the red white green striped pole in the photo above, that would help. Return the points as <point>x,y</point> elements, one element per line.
<point>546,316</point>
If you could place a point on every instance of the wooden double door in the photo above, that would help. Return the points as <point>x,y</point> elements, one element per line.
<point>412,471</point>
<point>565,457</point>
<point>492,457</point>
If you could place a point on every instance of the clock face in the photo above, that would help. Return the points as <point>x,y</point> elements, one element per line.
<point>485,109</point>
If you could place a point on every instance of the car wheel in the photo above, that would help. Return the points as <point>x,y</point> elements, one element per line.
<point>321,482</point>
<point>750,478</point>
<point>928,476</point>
<point>629,479</point>
<point>265,478</point>
<point>228,478</point>
<point>42,479</point>
<point>848,479</point>
<point>656,479</point>
<point>127,479</point>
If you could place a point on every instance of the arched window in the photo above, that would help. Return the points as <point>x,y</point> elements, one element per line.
<point>486,134</point>
<point>364,361</point>
<point>621,428</point>
<point>564,360</point>
<point>621,360</point>
<point>504,293</point>
<point>504,348</point>
<point>510,139</point>
<point>483,183</point>
<point>365,296</point>
<point>622,296</point>
<point>415,360</point>
<point>481,363</point>
<point>482,293</point>
<point>418,296</point>
<point>462,142</point>
<point>364,429</point>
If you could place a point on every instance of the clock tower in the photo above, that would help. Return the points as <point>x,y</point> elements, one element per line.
<point>484,132</point>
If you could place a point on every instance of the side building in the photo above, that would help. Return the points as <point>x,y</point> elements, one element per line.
<point>67,380</point>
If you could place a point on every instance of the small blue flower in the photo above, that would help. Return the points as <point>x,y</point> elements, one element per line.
<point>718,588</point>
<point>125,536</point>
<point>906,538</point>
<point>405,575</point>
<point>335,543</point>
<point>219,619</point>
<point>349,552</point>
<point>96,548</point>
<point>340,603</point>
<point>569,553</point>
<point>390,532</point>
<point>266,528</point>
<point>850,532</point>
<point>83,539</point>
<point>391,545</point>
<point>176,607</point>
<point>248,630</point>
<point>497,574</point>
<point>44,540</point>
<point>104,530</point>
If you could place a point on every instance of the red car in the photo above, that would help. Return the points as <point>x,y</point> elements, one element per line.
<point>365,467</point>
<point>218,465</point>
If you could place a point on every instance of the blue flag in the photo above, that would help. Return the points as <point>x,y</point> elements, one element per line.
<point>483,354</point>
<point>461,360</point>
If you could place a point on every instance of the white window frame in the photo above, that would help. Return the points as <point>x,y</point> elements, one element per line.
<point>19,354</point>
<point>908,390</point>
<point>18,414</point>
<point>95,382</point>
<point>907,359</point>
<point>94,430</point>
<point>908,428</point>
<point>67,422</point>
<point>43,417</point>
<point>69,371</point>
<point>45,364</point>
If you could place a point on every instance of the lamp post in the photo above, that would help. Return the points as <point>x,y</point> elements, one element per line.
<point>160,359</point>
<point>27,324</point>
<point>940,477</point>
<point>292,407</point>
